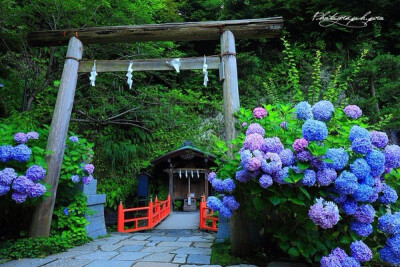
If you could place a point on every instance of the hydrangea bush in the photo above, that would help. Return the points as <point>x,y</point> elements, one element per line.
<point>318,178</point>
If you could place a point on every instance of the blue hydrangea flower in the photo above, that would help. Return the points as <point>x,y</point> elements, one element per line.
<point>303,111</point>
<point>253,142</point>
<point>22,184</point>
<point>338,253</point>
<point>273,145</point>
<point>361,145</point>
<point>330,261</point>
<point>340,199</point>
<point>389,224</point>
<point>369,180</point>
<point>387,255</point>
<point>304,156</point>
<point>360,168</point>
<point>392,156</point>
<point>36,190</point>
<point>245,156</point>
<point>360,251</point>
<point>376,160</point>
<point>225,212</point>
<point>394,244</point>
<point>65,211</point>
<point>358,132</point>
<point>35,173</point>
<point>253,164</point>
<point>287,157</point>
<point>350,262</point>
<point>74,139</point>
<point>218,185</point>
<point>313,130</point>
<point>230,202</point>
<point>352,111</point>
<point>75,178</point>
<point>326,176</point>
<point>265,181</point>
<point>323,110</point>
<point>242,176</point>
<point>21,153</point>
<point>361,229</point>
<point>379,139</point>
<point>324,213</point>
<point>309,178</point>
<point>363,193</point>
<point>255,128</point>
<point>258,154</point>
<point>214,203</point>
<point>228,185</point>
<point>338,156</point>
<point>365,214</point>
<point>18,197</point>
<point>20,138</point>
<point>211,176</point>
<point>349,207</point>
<point>271,163</point>
<point>346,183</point>
<point>4,189</point>
<point>6,153</point>
<point>7,176</point>
<point>32,135</point>
<point>388,196</point>
<point>280,175</point>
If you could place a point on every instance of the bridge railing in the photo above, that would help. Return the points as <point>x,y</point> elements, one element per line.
<point>143,217</point>
<point>207,221</point>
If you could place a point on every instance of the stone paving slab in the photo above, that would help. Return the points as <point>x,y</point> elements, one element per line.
<point>86,247</point>
<point>133,242</point>
<point>193,239</point>
<point>158,249</point>
<point>131,256</point>
<point>109,247</point>
<point>66,255</point>
<point>202,244</point>
<point>180,258</point>
<point>174,244</point>
<point>27,263</point>
<point>152,243</point>
<point>68,263</point>
<point>98,255</point>
<point>155,264</point>
<point>139,237</point>
<point>110,263</point>
<point>130,248</point>
<point>198,259</point>
<point>163,238</point>
<point>159,257</point>
<point>191,250</point>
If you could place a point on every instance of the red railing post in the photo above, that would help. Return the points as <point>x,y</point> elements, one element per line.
<point>201,208</point>
<point>168,204</point>
<point>150,215</point>
<point>120,217</point>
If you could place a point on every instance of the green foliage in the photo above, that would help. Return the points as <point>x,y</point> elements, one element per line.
<point>315,88</point>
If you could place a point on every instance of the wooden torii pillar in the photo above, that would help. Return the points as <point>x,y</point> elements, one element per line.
<point>226,31</point>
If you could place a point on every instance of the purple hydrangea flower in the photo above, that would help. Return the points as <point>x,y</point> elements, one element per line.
<point>376,160</point>
<point>230,202</point>
<point>73,139</point>
<point>4,189</point>
<point>20,138</point>
<point>253,142</point>
<point>313,130</point>
<point>346,183</point>
<point>365,214</point>
<point>309,178</point>
<point>303,111</point>
<point>392,156</point>
<point>379,139</point>
<point>271,163</point>
<point>35,173</point>
<point>352,111</point>
<point>389,223</point>
<point>349,207</point>
<point>324,213</point>
<point>228,185</point>
<point>75,178</point>
<point>87,179</point>
<point>259,113</point>
<point>330,261</point>
<point>18,197</point>
<point>6,153</point>
<point>280,175</point>
<point>323,110</point>
<point>361,145</point>
<point>350,262</point>
<point>211,176</point>
<point>339,253</point>
<point>21,153</point>
<point>360,168</point>
<point>7,176</point>
<point>360,251</point>
<point>272,145</point>
<point>387,255</point>
<point>388,196</point>
<point>258,154</point>
<point>358,132</point>
<point>242,176</point>
<point>338,156</point>
<point>214,203</point>
<point>287,157</point>
<point>36,190</point>
<point>361,229</point>
<point>89,168</point>
<point>65,211</point>
<point>217,184</point>
<point>300,144</point>
<point>245,156</point>
<point>265,181</point>
<point>363,193</point>
<point>255,128</point>
<point>253,164</point>
<point>283,125</point>
<point>326,176</point>
<point>225,212</point>
<point>304,156</point>
<point>22,184</point>
<point>32,135</point>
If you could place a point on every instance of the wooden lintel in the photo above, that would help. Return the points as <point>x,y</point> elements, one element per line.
<point>149,64</point>
<point>185,31</point>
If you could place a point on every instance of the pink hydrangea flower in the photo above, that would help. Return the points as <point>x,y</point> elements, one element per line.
<point>259,113</point>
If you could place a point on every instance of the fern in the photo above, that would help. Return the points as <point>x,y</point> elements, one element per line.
<point>315,87</point>
<point>271,91</point>
<point>293,80</point>
<point>331,94</point>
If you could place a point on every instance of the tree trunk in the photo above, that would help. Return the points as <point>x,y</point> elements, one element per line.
<point>372,84</point>
<point>41,221</point>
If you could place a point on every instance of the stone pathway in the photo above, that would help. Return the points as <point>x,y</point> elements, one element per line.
<point>180,220</point>
<point>158,248</point>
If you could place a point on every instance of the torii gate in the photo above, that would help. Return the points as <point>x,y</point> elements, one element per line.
<point>187,31</point>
